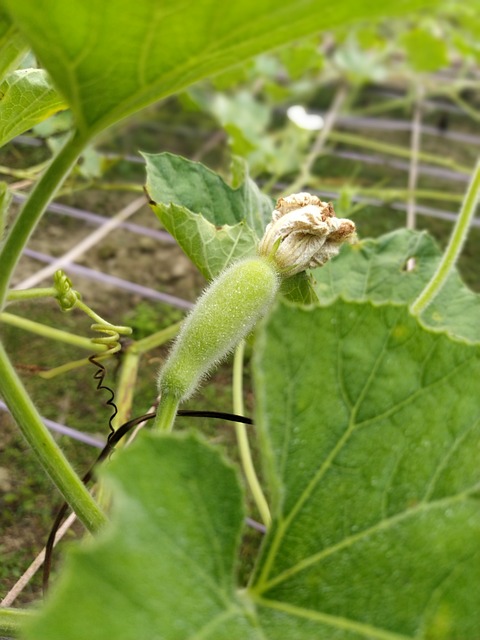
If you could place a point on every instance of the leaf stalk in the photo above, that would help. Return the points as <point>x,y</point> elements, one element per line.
<point>454,248</point>
<point>34,207</point>
<point>44,447</point>
<point>242,439</point>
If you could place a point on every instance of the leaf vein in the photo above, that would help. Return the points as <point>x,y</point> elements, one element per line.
<point>443,463</point>
<point>337,622</point>
<point>412,397</point>
<point>382,525</point>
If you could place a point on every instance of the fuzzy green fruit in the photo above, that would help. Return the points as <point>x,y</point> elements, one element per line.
<point>226,312</point>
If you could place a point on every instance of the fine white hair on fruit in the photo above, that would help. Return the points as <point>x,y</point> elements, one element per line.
<point>225,313</point>
<point>304,233</point>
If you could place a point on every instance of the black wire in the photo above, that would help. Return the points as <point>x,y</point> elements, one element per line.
<point>113,438</point>
<point>99,376</point>
<point>230,417</point>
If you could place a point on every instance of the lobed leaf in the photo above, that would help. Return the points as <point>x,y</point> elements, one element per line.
<point>111,60</point>
<point>426,52</point>
<point>12,45</point>
<point>375,269</point>
<point>26,99</point>
<point>369,427</point>
<point>213,222</point>
<point>165,568</point>
<point>371,437</point>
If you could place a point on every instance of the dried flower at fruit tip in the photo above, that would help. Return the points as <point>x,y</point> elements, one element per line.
<point>304,233</point>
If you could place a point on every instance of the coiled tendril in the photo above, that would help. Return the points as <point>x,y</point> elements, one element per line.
<point>68,299</point>
<point>111,339</point>
<point>67,296</point>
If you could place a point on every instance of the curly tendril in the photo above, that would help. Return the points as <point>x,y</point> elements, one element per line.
<point>111,340</point>
<point>69,299</point>
<point>67,296</point>
<point>111,337</point>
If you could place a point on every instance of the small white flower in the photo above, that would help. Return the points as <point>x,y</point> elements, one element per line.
<point>304,233</point>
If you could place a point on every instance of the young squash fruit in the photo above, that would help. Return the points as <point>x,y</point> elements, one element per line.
<point>304,233</point>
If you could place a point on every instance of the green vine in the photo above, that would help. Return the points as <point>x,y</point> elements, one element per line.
<point>454,248</point>
<point>242,439</point>
<point>50,456</point>
<point>34,207</point>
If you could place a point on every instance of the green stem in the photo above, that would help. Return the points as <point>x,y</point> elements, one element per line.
<point>126,386</point>
<point>11,620</point>
<point>455,244</point>
<point>394,150</point>
<point>70,366</point>
<point>469,110</point>
<point>415,140</point>
<point>45,448</point>
<point>79,304</point>
<point>49,332</point>
<point>20,295</point>
<point>391,194</point>
<point>124,400</point>
<point>382,107</point>
<point>34,207</point>
<point>156,339</point>
<point>166,413</point>
<point>242,438</point>
<point>118,186</point>
<point>23,174</point>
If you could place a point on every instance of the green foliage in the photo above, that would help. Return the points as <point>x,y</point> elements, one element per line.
<point>174,575</point>
<point>372,468</point>
<point>466,31</point>
<point>12,45</point>
<point>370,460</point>
<point>299,288</point>
<point>243,118</point>
<point>212,222</point>
<point>426,52</point>
<point>26,98</point>
<point>367,416</point>
<point>111,63</point>
<point>359,65</point>
<point>377,270</point>
<point>301,56</point>
<point>354,56</point>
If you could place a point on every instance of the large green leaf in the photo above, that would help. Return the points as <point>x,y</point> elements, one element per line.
<point>165,568</point>
<point>26,98</point>
<point>369,426</point>
<point>213,222</point>
<point>426,52</point>
<point>376,270</point>
<point>112,58</point>
<point>12,45</point>
<point>371,435</point>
